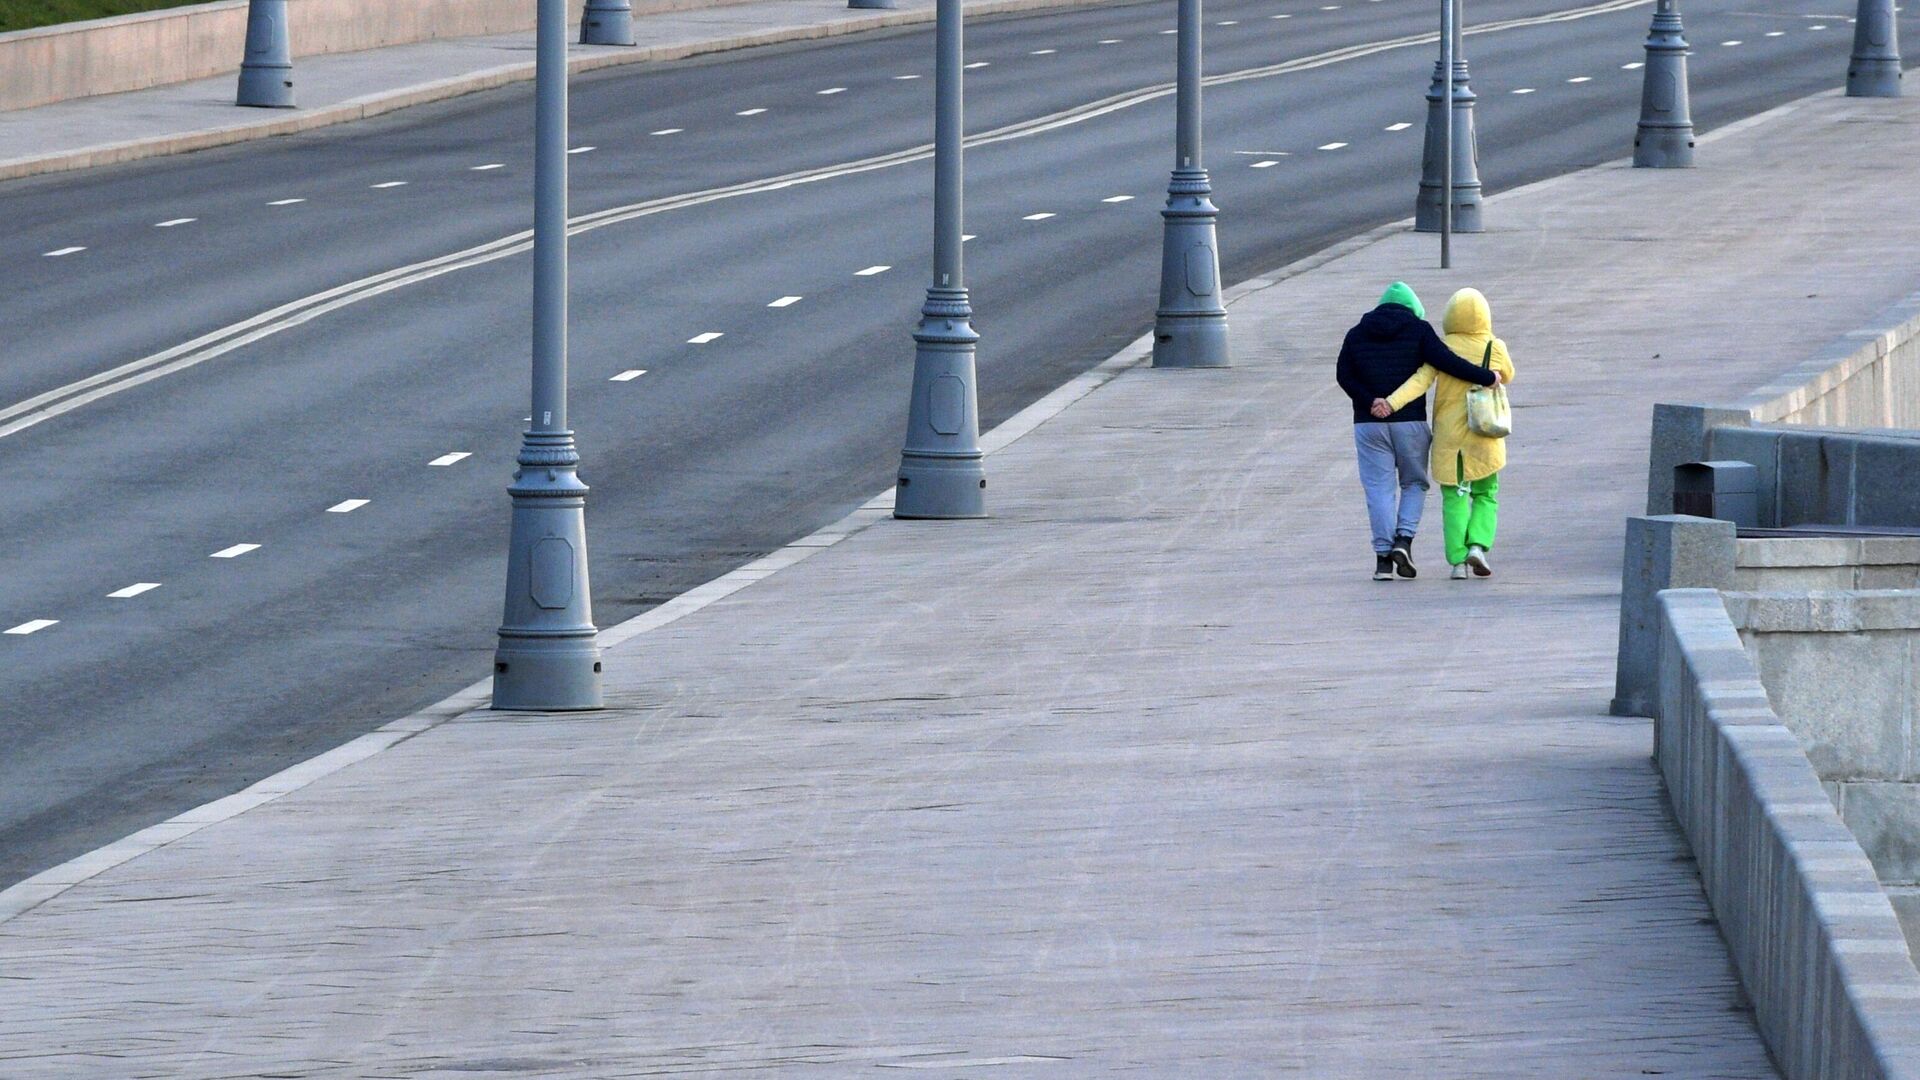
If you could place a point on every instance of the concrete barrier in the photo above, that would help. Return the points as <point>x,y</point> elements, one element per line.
<point>1815,938</point>
<point>133,52</point>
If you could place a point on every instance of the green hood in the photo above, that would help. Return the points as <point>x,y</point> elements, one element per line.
<point>1401,293</point>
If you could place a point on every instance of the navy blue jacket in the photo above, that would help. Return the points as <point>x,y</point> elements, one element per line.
<point>1384,350</point>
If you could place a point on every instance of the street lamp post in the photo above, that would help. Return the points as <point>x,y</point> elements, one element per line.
<point>1190,325</point>
<point>942,470</point>
<point>546,659</point>
<point>1446,139</point>
<point>1874,70</point>
<point>1664,139</point>
<point>1465,151</point>
<point>607,22</point>
<point>266,67</point>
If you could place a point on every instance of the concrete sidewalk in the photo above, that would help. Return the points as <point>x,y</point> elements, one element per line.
<point>1140,776</point>
<point>338,88</point>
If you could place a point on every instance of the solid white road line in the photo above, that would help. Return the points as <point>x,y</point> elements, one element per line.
<point>667,131</point>
<point>285,202</point>
<point>390,184</point>
<point>62,251</point>
<point>347,506</point>
<point>583,150</point>
<point>489,167</point>
<point>1401,126</point>
<point>785,301</point>
<point>871,270</point>
<point>31,627</point>
<point>133,590</point>
<point>1334,146</point>
<point>628,376</point>
<point>1042,216</point>
<point>703,338</point>
<point>234,552</point>
<point>1118,198</point>
<point>448,459</point>
<point>831,90</point>
<point>171,222</point>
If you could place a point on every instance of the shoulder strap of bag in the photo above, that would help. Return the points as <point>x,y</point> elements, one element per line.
<point>1486,359</point>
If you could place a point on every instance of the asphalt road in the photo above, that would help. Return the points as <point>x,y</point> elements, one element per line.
<point>129,709</point>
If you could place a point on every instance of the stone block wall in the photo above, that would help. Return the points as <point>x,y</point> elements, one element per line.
<point>1814,936</point>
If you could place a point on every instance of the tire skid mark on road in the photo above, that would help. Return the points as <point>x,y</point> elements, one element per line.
<point>42,407</point>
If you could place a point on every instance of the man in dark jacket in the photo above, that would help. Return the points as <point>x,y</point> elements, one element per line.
<point>1387,346</point>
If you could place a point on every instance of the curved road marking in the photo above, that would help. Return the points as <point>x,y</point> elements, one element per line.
<point>22,415</point>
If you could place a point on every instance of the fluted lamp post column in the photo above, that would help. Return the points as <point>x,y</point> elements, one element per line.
<point>942,470</point>
<point>607,22</point>
<point>266,67</point>
<point>1874,70</point>
<point>547,659</point>
<point>1190,325</point>
<point>1664,139</point>
<point>1465,156</point>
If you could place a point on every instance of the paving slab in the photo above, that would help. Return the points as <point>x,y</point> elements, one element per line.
<point>1141,776</point>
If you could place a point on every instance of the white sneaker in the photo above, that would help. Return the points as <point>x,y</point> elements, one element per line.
<point>1477,558</point>
<point>1459,572</point>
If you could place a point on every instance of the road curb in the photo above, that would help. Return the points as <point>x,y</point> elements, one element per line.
<point>372,105</point>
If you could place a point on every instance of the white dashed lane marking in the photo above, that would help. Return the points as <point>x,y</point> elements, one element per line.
<point>31,627</point>
<point>1632,66</point>
<point>966,237</point>
<point>1264,163</point>
<point>1819,26</point>
<point>785,301</point>
<point>234,552</point>
<point>1111,41</point>
<point>1042,216</point>
<point>979,64</point>
<point>449,459</point>
<point>1043,52</point>
<point>488,167</point>
<point>347,506</point>
<point>1118,198</point>
<point>1280,16</point>
<point>1524,90</point>
<point>1334,146</point>
<point>1401,126</point>
<point>57,252</point>
<point>1776,33</point>
<point>133,590</point>
<point>831,90</point>
<point>583,150</point>
<point>1173,31</point>
<point>1228,22</point>
<point>628,376</point>
<point>703,338</point>
<point>1735,41</point>
<point>285,202</point>
<point>171,222</point>
<point>391,184</point>
<point>871,270</point>
<point>1581,79</point>
<point>905,77</point>
<point>667,131</point>
<point>749,112</point>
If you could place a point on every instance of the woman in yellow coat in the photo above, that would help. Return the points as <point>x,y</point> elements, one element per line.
<point>1465,465</point>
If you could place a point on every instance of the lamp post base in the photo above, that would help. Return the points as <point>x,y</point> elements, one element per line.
<point>266,87</point>
<point>942,470</point>
<point>607,22</point>
<point>546,660</point>
<point>1190,325</point>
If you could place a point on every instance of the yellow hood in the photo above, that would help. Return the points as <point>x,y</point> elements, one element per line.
<point>1468,314</point>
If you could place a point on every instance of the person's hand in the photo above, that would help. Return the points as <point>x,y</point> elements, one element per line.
<point>1381,408</point>
<point>1501,376</point>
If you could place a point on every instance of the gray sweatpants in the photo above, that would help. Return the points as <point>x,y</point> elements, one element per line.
<point>1393,472</point>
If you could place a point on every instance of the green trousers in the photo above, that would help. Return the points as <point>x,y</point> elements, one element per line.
<point>1470,518</point>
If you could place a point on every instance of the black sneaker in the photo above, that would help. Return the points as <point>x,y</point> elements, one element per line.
<point>1402,556</point>
<point>1383,568</point>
